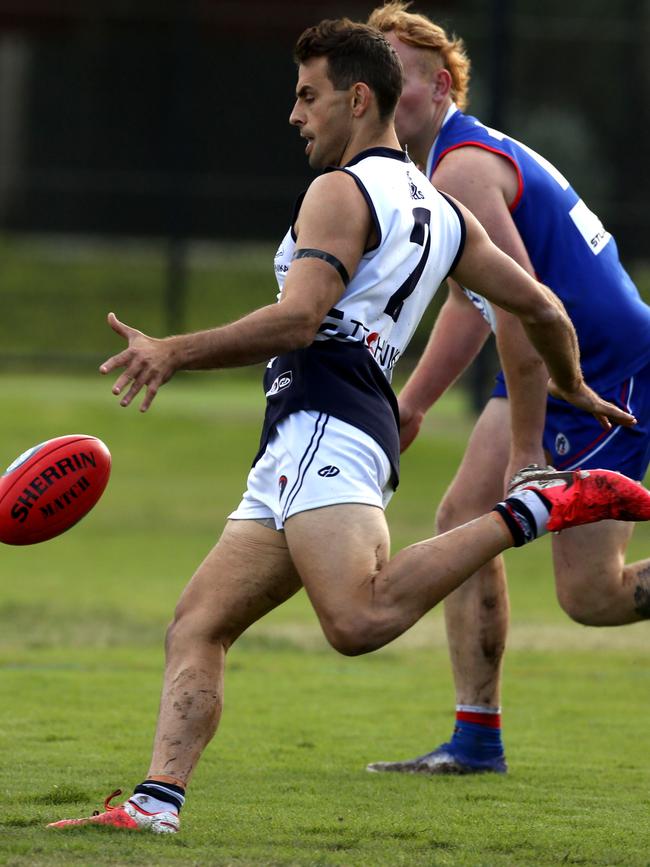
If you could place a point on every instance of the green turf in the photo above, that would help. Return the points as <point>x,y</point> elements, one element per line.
<point>81,625</point>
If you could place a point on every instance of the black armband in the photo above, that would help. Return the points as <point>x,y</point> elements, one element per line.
<point>312,253</point>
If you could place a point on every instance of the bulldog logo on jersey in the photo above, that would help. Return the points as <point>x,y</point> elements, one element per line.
<point>562,444</point>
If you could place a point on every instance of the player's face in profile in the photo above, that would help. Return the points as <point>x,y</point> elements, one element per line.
<point>322,114</point>
<point>415,107</point>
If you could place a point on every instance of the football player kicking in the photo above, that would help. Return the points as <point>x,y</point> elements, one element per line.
<point>532,213</point>
<point>371,242</point>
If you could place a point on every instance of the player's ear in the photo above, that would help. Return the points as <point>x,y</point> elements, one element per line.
<point>441,84</point>
<point>361,98</point>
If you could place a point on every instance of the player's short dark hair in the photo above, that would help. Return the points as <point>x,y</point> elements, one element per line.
<point>355,52</point>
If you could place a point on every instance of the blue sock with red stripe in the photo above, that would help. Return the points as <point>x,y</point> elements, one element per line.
<point>477,735</point>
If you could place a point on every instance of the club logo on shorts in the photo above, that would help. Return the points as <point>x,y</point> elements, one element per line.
<point>280,383</point>
<point>328,471</point>
<point>562,444</point>
<point>282,482</point>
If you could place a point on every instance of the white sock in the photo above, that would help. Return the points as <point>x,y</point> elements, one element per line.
<point>537,506</point>
<point>153,805</point>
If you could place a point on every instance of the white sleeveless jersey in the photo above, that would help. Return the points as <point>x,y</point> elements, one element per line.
<point>420,238</point>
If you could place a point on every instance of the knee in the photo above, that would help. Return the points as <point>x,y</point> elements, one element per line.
<point>581,615</point>
<point>349,635</point>
<point>176,635</point>
<point>446,515</point>
<point>455,510</point>
<point>582,607</point>
<point>189,629</point>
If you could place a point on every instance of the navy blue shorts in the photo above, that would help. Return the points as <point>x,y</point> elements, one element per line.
<point>575,439</point>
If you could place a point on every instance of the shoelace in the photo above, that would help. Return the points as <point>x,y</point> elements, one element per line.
<point>107,805</point>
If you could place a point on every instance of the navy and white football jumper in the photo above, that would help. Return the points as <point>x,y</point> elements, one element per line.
<point>346,372</point>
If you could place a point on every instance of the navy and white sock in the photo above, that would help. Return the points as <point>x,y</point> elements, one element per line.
<point>526,515</point>
<point>156,797</point>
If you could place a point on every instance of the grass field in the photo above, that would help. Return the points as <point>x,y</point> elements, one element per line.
<point>81,625</point>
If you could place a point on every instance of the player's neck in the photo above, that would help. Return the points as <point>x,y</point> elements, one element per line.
<point>420,146</point>
<point>383,138</point>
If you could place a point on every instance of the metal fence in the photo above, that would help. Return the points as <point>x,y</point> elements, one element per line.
<point>168,121</point>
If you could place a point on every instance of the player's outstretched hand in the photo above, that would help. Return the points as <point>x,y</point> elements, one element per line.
<point>147,362</point>
<point>585,398</point>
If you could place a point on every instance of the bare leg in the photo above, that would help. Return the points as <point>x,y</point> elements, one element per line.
<point>594,586</point>
<point>363,600</point>
<point>246,575</point>
<point>477,614</point>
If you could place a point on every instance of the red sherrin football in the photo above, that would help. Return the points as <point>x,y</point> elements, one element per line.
<point>50,487</point>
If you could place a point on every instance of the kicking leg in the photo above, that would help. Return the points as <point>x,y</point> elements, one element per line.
<point>364,601</point>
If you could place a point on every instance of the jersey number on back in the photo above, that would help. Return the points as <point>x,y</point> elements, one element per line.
<point>421,235</point>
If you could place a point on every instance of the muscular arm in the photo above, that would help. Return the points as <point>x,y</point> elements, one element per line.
<point>334,217</point>
<point>458,334</point>
<point>489,271</point>
<point>487,183</point>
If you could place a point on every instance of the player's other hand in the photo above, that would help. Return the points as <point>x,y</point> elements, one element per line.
<point>147,362</point>
<point>585,398</point>
<point>410,423</point>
